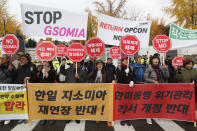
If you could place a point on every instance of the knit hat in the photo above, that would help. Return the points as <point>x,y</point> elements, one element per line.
<point>123,58</point>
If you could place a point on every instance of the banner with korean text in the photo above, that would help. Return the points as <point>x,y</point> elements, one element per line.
<point>168,101</point>
<point>71,101</point>
<point>13,102</point>
<point>182,38</point>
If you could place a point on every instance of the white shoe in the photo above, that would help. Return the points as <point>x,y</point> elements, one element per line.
<point>149,121</point>
<point>6,122</point>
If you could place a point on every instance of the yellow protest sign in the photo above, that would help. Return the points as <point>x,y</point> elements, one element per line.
<point>13,102</point>
<point>70,101</point>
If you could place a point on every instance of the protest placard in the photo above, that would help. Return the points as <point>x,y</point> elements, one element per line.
<point>71,101</point>
<point>13,102</point>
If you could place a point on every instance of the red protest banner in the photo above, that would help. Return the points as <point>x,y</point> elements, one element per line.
<point>95,47</point>
<point>10,44</point>
<point>129,44</point>
<point>76,52</point>
<point>168,101</point>
<point>61,50</point>
<point>177,61</point>
<point>162,43</point>
<point>115,52</point>
<point>46,51</point>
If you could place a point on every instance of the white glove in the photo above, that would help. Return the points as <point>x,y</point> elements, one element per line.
<point>127,71</point>
<point>62,78</point>
<point>58,70</point>
<point>131,84</point>
<point>67,66</point>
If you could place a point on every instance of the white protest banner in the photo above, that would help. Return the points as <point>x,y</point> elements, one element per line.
<point>1,49</point>
<point>182,38</point>
<point>111,30</point>
<point>13,102</point>
<point>55,23</point>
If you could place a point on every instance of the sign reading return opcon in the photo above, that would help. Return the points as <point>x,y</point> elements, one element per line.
<point>111,30</point>
<point>56,23</point>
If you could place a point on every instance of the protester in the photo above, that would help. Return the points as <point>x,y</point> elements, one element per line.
<point>125,75</point>
<point>16,62</point>
<point>26,71</point>
<point>7,70</point>
<point>89,65</point>
<point>47,73</point>
<point>61,77</point>
<point>171,70</point>
<point>155,73</point>
<point>75,77</point>
<point>139,70</point>
<point>110,68</point>
<point>99,75</point>
<point>7,74</point>
<point>186,74</point>
<point>74,74</point>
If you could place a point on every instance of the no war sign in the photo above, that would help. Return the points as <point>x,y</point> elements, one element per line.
<point>55,23</point>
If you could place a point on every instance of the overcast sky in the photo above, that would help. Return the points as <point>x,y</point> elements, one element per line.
<point>154,7</point>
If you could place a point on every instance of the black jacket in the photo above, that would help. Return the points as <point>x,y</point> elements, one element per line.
<point>27,70</point>
<point>70,75</point>
<point>122,77</point>
<point>7,76</point>
<point>111,70</point>
<point>50,79</point>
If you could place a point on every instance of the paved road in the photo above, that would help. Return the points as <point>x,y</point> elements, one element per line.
<point>137,125</point>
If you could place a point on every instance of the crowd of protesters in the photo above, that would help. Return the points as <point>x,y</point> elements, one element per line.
<point>137,71</point>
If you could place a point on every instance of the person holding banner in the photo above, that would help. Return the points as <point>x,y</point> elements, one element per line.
<point>171,70</point>
<point>16,62</point>
<point>47,73</point>
<point>125,75</point>
<point>187,74</point>
<point>110,68</point>
<point>25,71</point>
<point>139,70</point>
<point>89,65</point>
<point>99,75</point>
<point>7,72</point>
<point>60,71</point>
<point>155,73</point>
<point>75,77</point>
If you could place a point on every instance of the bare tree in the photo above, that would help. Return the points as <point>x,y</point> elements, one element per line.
<point>111,8</point>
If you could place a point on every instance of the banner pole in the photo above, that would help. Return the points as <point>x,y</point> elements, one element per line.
<point>128,62</point>
<point>128,65</point>
<point>76,67</point>
<point>163,58</point>
<point>29,121</point>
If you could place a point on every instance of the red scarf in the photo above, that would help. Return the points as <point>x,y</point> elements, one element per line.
<point>124,66</point>
<point>156,69</point>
